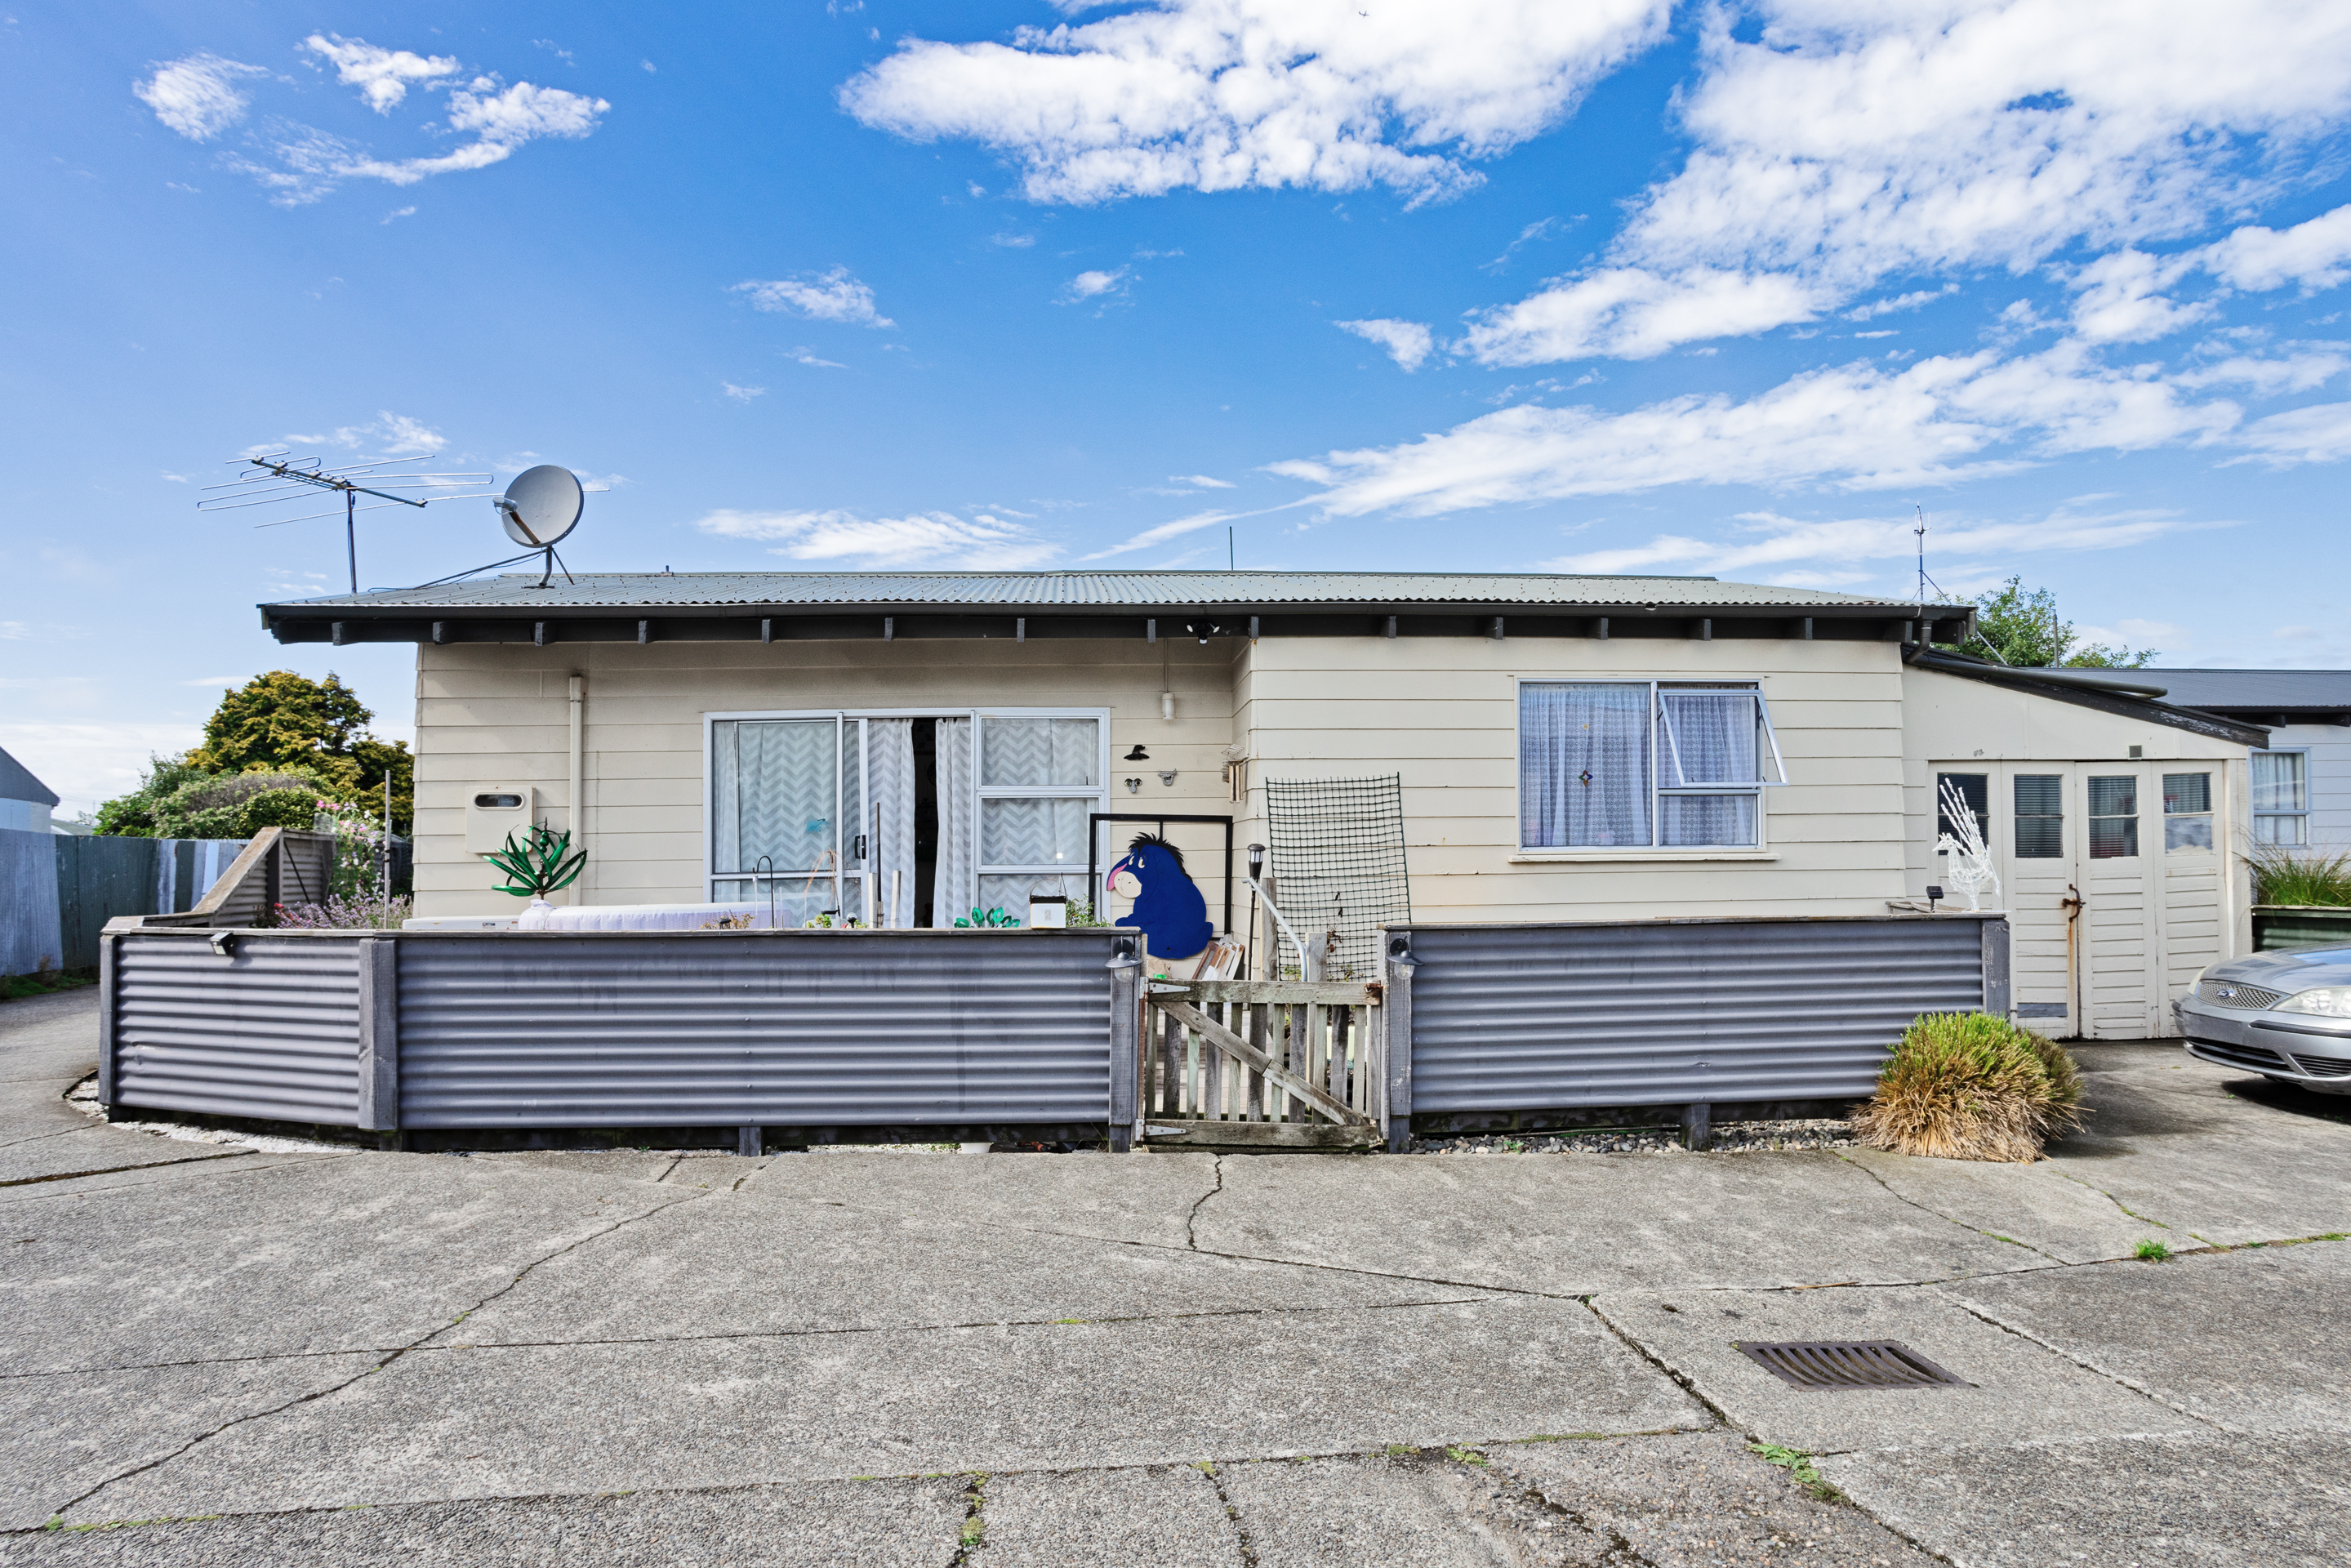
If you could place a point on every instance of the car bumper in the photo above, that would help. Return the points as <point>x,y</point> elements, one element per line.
<point>2314,1053</point>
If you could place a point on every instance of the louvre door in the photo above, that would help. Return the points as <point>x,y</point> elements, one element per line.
<point>2120,952</point>
<point>2034,839</point>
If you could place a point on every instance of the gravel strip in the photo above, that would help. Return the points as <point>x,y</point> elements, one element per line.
<point>1729,1138</point>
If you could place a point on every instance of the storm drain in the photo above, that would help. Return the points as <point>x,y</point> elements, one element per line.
<point>1814,1365</point>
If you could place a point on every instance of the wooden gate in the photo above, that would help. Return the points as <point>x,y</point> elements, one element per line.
<point>1263,1064</point>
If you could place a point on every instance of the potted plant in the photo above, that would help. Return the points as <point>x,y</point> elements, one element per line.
<point>544,863</point>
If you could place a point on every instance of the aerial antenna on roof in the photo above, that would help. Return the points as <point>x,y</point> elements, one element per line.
<point>1921,531</point>
<point>540,508</point>
<point>275,478</point>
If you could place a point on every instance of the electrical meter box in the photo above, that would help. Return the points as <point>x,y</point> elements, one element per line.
<point>494,810</point>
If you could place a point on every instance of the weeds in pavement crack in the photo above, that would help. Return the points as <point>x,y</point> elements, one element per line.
<point>1798,1462</point>
<point>1938,1214</point>
<point>973,1534</point>
<point>1246,1542</point>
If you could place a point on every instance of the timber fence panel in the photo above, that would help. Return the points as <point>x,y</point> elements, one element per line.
<point>1515,1018</point>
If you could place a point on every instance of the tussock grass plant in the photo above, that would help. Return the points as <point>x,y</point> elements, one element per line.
<point>2286,875</point>
<point>1969,1086</point>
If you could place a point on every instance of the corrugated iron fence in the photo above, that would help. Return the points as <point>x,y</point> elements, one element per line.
<point>1682,1012</point>
<point>641,1028</point>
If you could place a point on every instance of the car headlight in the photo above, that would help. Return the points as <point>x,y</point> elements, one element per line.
<point>2328,1001</point>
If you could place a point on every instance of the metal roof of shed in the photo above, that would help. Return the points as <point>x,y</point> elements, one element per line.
<point>18,783</point>
<point>2278,692</point>
<point>1077,591</point>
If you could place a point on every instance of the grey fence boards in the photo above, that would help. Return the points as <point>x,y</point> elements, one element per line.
<point>1510,1017</point>
<point>97,879</point>
<point>270,1029</point>
<point>29,902</point>
<point>618,1030</point>
<point>795,1029</point>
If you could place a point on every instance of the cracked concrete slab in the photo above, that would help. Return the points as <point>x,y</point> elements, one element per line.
<point>614,1164</point>
<point>2265,1502</point>
<point>1166,1516</point>
<point>503,1421</point>
<point>1575,1224</point>
<point>2035,1206</point>
<point>772,1262</point>
<point>2019,1389</point>
<point>348,1252</point>
<point>63,1435</point>
<point>31,1197</point>
<point>49,1037</point>
<point>837,1524</point>
<point>1702,1498</point>
<point>2257,1341</point>
<point>1339,1512</point>
<point>93,1149</point>
<point>1119,1197</point>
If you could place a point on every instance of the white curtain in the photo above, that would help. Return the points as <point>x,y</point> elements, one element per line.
<point>890,778</point>
<point>1583,765</point>
<point>954,883</point>
<point>1713,736</point>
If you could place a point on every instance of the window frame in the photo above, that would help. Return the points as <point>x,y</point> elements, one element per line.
<point>1768,753</point>
<point>2255,816</point>
<point>2210,814</point>
<point>849,720</point>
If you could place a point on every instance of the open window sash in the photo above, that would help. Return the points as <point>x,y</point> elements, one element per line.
<point>1717,741</point>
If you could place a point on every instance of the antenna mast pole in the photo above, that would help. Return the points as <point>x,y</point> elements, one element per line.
<point>1921,531</point>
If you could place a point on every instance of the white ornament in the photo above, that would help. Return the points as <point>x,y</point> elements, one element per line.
<point>1969,874</point>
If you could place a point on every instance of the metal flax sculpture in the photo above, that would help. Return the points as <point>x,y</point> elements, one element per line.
<point>1970,871</point>
<point>542,864</point>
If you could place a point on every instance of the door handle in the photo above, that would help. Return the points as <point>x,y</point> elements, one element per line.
<point>857,847</point>
<point>2073,903</point>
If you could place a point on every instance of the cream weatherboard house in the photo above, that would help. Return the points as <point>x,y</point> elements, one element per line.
<point>910,746</point>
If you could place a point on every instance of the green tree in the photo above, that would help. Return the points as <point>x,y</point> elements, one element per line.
<point>277,722</point>
<point>2024,628</point>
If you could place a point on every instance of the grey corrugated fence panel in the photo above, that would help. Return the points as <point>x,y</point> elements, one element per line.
<point>271,1030</point>
<point>1508,1017</point>
<point>276,867</point>
<point>648,1028</point>
<point>30,935</point>
<point>186,870</point>
<point>99,878</point>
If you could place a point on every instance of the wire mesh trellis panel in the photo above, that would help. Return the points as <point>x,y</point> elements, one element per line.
<point>1338,852</point>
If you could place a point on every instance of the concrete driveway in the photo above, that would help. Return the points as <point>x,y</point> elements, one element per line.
<point>221,1354</point>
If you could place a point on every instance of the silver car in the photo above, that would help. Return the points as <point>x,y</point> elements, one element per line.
<point>2283,1015</point>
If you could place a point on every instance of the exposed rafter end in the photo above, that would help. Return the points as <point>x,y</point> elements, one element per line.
<point>644,631</point>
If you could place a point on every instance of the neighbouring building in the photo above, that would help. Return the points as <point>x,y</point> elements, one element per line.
<point>2302,778</point>
<point>24,801</point>
<point>1538,747</point>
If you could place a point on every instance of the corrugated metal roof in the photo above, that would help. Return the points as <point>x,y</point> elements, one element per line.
<point>2268,691</point>
<point>1081,589</point>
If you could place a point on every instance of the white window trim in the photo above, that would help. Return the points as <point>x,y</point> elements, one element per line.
<point>1099,794</point>
<point>1761,850</point>
<point>2255,814</point>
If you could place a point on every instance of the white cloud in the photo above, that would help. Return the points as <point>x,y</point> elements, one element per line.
<point>1202,480</point>
<point>1013,242</point>
<point>833,295</point>
<point>394,434</point>
<point>88,763</point>
<point>1769,540</point>
<point>197,96</point>
<point>399,212</point>
<point>806,356</point>
<point>1407,342</point>
<point>1092,285</point>
<point>15,630</point>
<point>1910,302</point>
<point>2318,433</point>
<point>1631,313</point>
<point>1852,426</point>
<point>311,163</point>
<point>2316,255</point>
<point>981,543</point>
<point>382,75</point>
<point>1229,94</point>
<point>1164,532</point>
<point>2119,300</point>
<point>741,394</point>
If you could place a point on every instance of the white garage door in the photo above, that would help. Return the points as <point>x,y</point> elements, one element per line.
<point>2111,875</point>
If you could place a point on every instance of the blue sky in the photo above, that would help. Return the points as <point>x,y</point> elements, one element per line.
<point>1497,285</point>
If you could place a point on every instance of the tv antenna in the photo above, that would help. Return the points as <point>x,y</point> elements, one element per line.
<point>279,478</point>
<point>540,508</point>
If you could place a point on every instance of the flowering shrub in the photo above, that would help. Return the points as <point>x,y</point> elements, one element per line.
<point>346,914</point>
<point>359,843</point>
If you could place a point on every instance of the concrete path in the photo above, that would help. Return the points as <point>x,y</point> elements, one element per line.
<point>859,1358</point>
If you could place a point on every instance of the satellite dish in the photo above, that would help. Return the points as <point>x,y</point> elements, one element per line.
<point>541,505</point>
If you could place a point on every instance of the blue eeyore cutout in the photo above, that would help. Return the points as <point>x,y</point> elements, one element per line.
<point>1169,910</point>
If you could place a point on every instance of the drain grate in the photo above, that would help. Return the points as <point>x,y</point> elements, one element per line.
<point>1817,1365</point>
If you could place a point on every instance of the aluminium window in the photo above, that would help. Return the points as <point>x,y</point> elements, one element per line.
<point>2114,816</point>
<point>2281,781</point>
<point>1041,773</point>
<point>1644,764</point>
